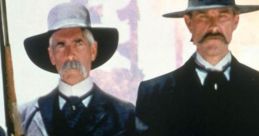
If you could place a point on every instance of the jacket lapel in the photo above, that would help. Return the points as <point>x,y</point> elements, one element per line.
<point>46,106</point>
<point>98,113</point>
<point>188,75</point>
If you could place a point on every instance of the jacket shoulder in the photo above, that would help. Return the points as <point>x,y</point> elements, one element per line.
<point>159,81</point>
<point>248,70</point>
<point>170,79</point>
<point>246,73</point>
<point>28,108</point>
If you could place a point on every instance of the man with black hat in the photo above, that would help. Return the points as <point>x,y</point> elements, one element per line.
<point>77,107</point>
<point>212,94</point>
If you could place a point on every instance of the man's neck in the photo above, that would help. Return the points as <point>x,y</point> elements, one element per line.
<point>218,66</point>
<point>214,60</point>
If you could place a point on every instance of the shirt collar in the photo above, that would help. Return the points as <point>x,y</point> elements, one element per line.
<point>78,89</point>
<point>62,101</point>
<point>219,66</point>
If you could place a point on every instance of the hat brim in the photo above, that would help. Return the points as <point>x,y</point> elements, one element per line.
<point>240,8</point>
<point>37,47</point>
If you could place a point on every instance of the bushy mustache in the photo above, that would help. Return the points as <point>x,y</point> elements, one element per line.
<point>73,64</point>
<point>219,35</point>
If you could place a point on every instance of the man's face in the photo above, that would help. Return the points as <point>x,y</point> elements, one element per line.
<point>212,30</point>
<point>72,54</point>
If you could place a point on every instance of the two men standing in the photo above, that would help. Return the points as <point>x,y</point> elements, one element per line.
<point>212,94</point>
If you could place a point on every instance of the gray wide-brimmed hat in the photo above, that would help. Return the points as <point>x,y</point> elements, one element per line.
<point>69,15</point>
<point>194,5</point>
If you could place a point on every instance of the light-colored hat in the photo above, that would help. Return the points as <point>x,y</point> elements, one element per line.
<point>194,5</point>
<point>68,15</point>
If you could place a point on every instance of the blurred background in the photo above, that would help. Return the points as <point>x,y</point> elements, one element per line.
<point>149,44</point>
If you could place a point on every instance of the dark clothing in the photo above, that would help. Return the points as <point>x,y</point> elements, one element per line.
<point>2,133</point>
<point>104,116</point>
<point>176,104</point>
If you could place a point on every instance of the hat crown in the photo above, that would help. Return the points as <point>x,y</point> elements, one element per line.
<point>196,3</point>
<point>68,15</point>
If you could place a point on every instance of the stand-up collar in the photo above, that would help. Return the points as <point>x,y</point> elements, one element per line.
<point>78,89</point>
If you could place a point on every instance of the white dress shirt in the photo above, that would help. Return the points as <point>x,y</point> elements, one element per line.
<point>218,67</point>
<point>78,90</point>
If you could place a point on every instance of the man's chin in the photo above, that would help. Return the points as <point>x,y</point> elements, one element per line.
<point>72,79</point>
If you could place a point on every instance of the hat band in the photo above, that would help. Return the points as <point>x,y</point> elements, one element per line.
<point>207,7</point>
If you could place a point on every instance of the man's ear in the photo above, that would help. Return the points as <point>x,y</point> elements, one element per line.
<point>94,49</point>
<point>236,21</point>
<point>51,57</point>
<point>188,22</point>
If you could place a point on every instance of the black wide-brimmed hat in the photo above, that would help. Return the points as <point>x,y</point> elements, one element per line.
<point>194,5</point>
<point>69,15</point>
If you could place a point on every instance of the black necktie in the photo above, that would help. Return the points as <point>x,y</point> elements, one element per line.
<point>73,109</point>
<point>214,80</point>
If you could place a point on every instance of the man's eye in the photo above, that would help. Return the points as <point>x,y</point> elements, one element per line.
<point>224,15</point>
<point>202,16</point>
<point>59,45</point>
<point>79,42</point>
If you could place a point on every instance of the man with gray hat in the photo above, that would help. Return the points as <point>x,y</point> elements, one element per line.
<point>212,94</point>
<point>77,107</point>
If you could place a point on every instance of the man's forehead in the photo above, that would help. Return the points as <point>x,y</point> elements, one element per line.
<point>223,9</point>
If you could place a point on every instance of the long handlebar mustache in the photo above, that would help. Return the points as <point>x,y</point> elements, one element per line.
<point>218,35</point>
<point>73,64</point>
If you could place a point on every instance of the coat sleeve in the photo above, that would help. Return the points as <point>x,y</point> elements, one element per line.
<point>152,104</point>
<point>2,132</point>
<point>143,106</point>
<point>31,120</point>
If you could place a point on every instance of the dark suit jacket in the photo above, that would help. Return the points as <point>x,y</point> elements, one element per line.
<point>109,116</point>
<point>175,104</point>
<point>2,133</point>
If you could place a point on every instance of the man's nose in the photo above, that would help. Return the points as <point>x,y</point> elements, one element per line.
<point>70,51</point>
<point>214,25</point>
